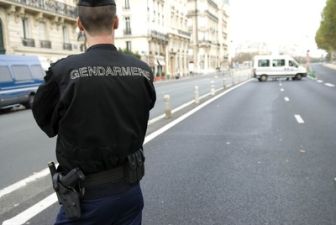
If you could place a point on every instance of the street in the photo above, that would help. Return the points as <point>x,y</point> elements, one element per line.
<point>262,153</point>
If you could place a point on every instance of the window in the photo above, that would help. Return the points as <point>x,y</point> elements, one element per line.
<point>292,64</point>
<point>128,46</point>
<point>278,62</point>
<point>127,5</point>
<point>37,72</point>
<point>25,28</point>
<point>263,63</point>
<point>66,38</point>
<point>5,74</point>
<point>21,72</point>
<point>42,31</point>
<point>127,25</point>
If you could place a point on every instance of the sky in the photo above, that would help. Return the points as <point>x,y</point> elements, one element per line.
<point>276,22</point>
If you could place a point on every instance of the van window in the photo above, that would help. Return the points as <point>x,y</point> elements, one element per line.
<point>292,64</point>
<point>21,72</point>
<point>278,62</point>
<point>263,63</point>
<point>5,74</point>
<point>37,71</point>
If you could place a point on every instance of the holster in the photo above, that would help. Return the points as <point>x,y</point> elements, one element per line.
<point>134,168</point>
<point>68,190</point>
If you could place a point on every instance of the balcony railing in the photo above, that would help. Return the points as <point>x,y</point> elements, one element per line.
<point>67,46</point>
<point>45,44</point>
<point>182,32</point>
<point>51,6</point>
<point>160,36</point>
<point>28,42</point>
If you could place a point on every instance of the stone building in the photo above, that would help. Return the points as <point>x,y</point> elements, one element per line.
<point>45,28</point>
<point>157,31</point>
<point>208,24</point>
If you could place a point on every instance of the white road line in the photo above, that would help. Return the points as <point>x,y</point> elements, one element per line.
<point>32,211</point>
<point>286,99</point>
<point>24,182</point>
<point>45,172</point>
<point>181,118</point>
<point>282,89</point>
<point>329,85</point>
<point>162,116</point>
<point>298,118</point>
<point>51,199</point>
<point>319,81</point>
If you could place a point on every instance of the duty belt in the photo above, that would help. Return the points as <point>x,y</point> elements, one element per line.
<point>114,175</point>
<point>72,187</point>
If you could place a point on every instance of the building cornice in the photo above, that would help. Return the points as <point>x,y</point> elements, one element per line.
<point>55,10</point>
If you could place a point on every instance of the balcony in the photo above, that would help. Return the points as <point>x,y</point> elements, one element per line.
<point>67,46</point>
<point>51,6</point>
<point>28,42</point>
<point>45,44</point>
<point>204,43</point>
<point>159,36</point>
<point>182,32</point>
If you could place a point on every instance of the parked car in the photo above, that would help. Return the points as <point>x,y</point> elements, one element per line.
<point>20,76</point>
<point>272,66</point>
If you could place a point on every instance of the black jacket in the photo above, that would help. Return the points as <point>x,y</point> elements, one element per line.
<point>98,104</point>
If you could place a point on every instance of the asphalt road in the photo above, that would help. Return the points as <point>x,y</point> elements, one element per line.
<point>263,153</point>
<point>25,149</point>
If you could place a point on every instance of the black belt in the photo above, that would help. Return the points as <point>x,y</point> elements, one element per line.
<point>115,175</point>
<point>106,183</point>
<point>118,179</point>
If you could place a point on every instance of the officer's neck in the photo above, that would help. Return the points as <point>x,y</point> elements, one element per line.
<point>101,39</point>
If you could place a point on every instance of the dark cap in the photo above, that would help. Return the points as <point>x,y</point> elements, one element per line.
<point>94,3</point>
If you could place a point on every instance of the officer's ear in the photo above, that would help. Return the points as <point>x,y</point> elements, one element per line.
<point>80,25</point>
<point>115,22</point>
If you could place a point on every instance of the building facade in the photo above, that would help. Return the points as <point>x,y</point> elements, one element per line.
<point>174,37</point>
<point>45,28</point>
<point>157,31</point>
<point>178,38</point>
<point>208,24</point>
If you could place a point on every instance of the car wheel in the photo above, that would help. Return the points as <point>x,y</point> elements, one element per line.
<point>298,77</point>
<point>263,77</point>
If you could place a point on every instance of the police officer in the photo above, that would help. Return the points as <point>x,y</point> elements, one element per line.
<point>98,103</point>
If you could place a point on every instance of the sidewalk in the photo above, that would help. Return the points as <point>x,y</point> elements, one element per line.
<point>330,65</point>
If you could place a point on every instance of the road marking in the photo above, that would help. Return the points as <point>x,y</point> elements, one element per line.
<point>329,85</point>
<point>184,116</point>
<point>298,118</point>
<point>319,81</point>
<point>32,211</point>
<point>162,116</point>
<point>51,199</point>
<point>45,172</point>
<point>24,182</point>
<point>286,99</point>
<point>282,89</point>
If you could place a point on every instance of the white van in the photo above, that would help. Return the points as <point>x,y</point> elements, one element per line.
<point>276,66</point>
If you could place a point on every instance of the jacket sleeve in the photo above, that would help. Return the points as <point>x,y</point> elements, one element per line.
<point>45,105</point>
<point>151,90</point>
